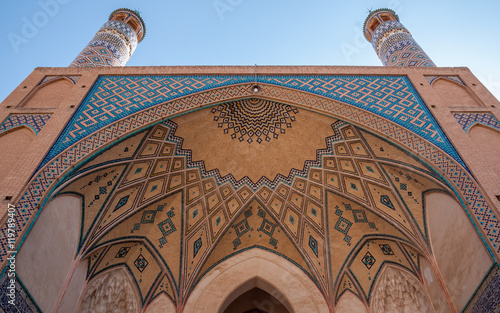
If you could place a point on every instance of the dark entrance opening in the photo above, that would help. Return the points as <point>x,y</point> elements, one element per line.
<point>256,300</point>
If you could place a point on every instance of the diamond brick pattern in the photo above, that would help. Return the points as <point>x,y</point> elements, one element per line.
<point>34,121</point>
<point>22,303</point>
<point>407,138</point>
<point>395,46</point>
<point>466,120</point>
<point>488,295</point>
<point>115,97</point>
<point>112,45</point>
<point>254,120</point>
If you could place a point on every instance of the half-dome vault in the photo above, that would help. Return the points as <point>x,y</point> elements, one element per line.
<point>173,200</point>
<point>194,191</point>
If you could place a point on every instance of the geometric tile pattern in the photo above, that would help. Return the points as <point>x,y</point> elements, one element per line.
<point>141,263</point>
<point>261,224</point>
<point>368,260</point>
<point>466,120</point>
<point>255,226</point>
<point>159,223</point>
<point>351,224</point>
<point>263,180</point>
<point>343,225</point>
<point>122,252</point>
<point>487,298</point>
<point>386,249</point>
<point>166,227</point>
<point>406,53</point>
<point>246,118</point>
<point>149,216</point>
<point>395,46</point>
<point>21,301</point>
<point>115,97</point>
<point>487,219</point>
<point>464,183</point>
<point>367,265</point>
<point>346,284</point>
<point>432,78</point>
<point>112,45</point>
<point>34,121</point>
<point>313,244</point>
<point>147,220</point>
<point>197,246</point>
<point>102,55</point>
<point>143,268</point>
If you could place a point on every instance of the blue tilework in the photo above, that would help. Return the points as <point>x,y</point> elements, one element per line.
<point>395,46</point>
<point>34,121</point>
<point>488,296</point>
<point>383,29</point>
<point>115,97</point>
<point>22,302</point>
<point>466,120</point>
<point>112,45</point>
<point>453,171</point>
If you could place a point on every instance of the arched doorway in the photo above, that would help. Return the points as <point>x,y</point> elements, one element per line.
<point>151,187</point>
<point>255,300</point>
<point>256,275</point>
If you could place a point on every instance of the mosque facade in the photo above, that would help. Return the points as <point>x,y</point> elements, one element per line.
<point>242,189</point>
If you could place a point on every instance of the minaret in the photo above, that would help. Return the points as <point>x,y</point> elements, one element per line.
<point>392,41</point>
<point>115,42</point>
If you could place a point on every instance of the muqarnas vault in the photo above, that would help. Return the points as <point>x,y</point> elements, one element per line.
<point>311,189</point>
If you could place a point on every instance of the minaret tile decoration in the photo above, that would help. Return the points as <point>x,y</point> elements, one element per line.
<point>393,43</point>
<point>115,42</point>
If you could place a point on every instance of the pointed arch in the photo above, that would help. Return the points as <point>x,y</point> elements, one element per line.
<point>488,132</point>
<point>161,304</point>
<point>350,303</point>
<point>14,145</point>
<point>487,142</point>
<point>96,143</point>
<point>453,79</point>
<point>17,128</point>
<point>49,94</point>
<point>452,93</point>
<point>258,268</point>
<point>256,294</point>
<point>151,116</point>
<point>50,79</point>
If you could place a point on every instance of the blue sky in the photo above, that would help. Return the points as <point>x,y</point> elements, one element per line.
<point>248,32</point>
